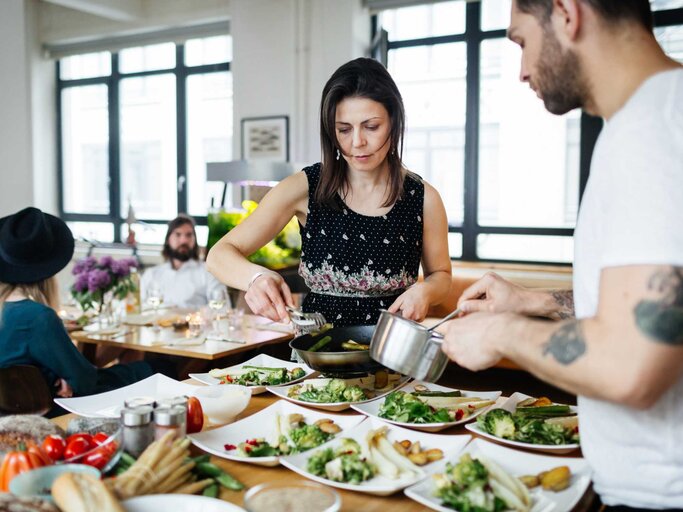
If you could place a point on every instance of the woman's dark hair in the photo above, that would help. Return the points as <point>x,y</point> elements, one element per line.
<point>180,220</point>
<point>612,11</point>
<point>361,78</point>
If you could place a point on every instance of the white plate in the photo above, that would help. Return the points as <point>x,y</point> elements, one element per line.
<point>262,424</point>
<point>259,360</point>
<point>380,485</point>
<point>511,405</point>
<point>281,391</point>
<point>109,404</point>
<point>178,503</point>
<point>372,408</point>
<point>517,464</point>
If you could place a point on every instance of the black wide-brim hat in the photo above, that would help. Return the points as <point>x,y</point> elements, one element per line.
<point>33,246</point>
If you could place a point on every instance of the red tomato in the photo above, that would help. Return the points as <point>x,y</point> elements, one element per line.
<point>99,457</point>
<point>195,415</point>
<point>54,446</point>
<point>83,435</point>
<point>75,447</point>
<point>100,438</point>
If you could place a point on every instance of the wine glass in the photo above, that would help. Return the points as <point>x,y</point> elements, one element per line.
<point>217,301</point>
<point>155,297</point>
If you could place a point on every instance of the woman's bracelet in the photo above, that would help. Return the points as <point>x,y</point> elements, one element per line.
<point>254,278</point>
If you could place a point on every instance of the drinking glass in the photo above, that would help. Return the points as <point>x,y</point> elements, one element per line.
<point>154,298</point>
<point>217,301</point>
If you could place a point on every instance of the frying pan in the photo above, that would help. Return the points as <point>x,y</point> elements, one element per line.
<point>332,358</point>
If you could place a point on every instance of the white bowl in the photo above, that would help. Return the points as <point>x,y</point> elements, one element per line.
<point>221,404</point>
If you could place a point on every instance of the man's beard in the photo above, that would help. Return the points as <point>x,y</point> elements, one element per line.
<point>182,253</point>
<point>560,81</point>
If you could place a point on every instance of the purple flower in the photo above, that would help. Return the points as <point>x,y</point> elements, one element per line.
<point>81,283</point>
<point>120,268</point>
<point>98,280</point>
<point>106,262</point>
<point>84,265</point>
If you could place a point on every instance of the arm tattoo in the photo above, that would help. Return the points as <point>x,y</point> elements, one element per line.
<point>564,299</point>
<point>662,319</point>
<point>566,344</point>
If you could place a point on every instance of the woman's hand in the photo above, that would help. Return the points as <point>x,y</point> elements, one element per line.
<point>63,389</point>
<point>412,304</point>
<point>268,295</point>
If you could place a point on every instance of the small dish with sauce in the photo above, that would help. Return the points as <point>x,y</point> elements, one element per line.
<point>291,497</point>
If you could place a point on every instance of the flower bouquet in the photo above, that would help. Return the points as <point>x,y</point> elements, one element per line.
<point>98,282</point>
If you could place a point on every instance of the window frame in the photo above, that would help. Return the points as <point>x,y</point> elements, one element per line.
<point>590,128</point>
<point>181,72</point>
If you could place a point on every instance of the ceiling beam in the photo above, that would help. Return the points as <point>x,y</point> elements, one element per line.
<point>117,10</point>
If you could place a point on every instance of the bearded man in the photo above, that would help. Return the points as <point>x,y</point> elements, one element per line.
<point>183,279</point>
<point>617,339</point>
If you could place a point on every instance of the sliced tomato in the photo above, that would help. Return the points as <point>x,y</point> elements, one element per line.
<point>54,446</point>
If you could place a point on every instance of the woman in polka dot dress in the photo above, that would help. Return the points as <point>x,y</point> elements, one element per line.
<point>366,222</point>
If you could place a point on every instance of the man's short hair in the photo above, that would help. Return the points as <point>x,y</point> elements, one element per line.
<point>180,220</point>
<point>612,11</point>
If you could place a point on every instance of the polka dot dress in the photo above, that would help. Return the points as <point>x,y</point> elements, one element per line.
<point>356,264</point>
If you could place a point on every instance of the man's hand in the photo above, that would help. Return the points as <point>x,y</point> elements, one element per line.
<point>412,304</point>
<point>472,341</point>
<point>268,295</point>
<point>63,389</point>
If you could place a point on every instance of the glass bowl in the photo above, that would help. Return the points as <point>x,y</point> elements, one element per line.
<point>102,457</point>
<point>221,404</point>
<point>38,482</point>
<point>291,497</point>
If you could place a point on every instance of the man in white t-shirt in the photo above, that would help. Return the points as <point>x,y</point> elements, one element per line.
<point>623,352</point>
<point>183,278</point>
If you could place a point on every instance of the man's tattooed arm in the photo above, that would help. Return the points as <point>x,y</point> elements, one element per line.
<point>566,344</point>
<point>564,299</point>
<point>662,319</point>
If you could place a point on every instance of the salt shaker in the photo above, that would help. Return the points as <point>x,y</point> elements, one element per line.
<point>138,430</point>
<point>171,418</point>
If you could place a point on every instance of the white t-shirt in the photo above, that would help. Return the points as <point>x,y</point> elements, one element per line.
<point>631,214</point>
<point>189,286</point>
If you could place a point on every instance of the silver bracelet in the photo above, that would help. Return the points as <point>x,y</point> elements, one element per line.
<point>254,278</point>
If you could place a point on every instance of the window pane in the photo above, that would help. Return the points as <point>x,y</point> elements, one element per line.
<point>99,231</point>
<point>495,14</point>
<point>154,234</point>
<point>529,159</point>
<point>526,248</point>
<point>148,146</point>
<point>671,39</point>
<point>662,5</point>
<point>209,50</point>
<point>88,65</point>
<point>437,19</point>
<point>147,58</point>
<point>455,245</point>
<point>432,82</point>
<point>209,135</point>
<point>85,149</point>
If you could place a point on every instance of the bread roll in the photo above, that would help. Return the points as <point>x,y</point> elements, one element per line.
<point>78,492</point>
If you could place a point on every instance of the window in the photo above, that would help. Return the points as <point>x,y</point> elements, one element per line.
<point>138,127</point>
<point>510,174</point>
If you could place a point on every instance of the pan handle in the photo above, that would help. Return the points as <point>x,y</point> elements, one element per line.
<point>448,317</point>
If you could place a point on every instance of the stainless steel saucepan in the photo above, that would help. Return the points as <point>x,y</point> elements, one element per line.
<point>408,347</point>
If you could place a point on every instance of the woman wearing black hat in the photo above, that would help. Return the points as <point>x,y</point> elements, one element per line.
<point>34,246</point>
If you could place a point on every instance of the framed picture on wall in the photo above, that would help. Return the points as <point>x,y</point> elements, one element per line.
<point>265,138</point>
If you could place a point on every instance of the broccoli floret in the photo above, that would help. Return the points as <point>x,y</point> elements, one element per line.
<point>297,373</point>
<point>498,422</point>
<point>336,386</point>
<point>354,394</point>
<point>308,436</point>
<point>356,470</point>
<point>316,462</point>
<point>469,472</point>
<point>348,445</point>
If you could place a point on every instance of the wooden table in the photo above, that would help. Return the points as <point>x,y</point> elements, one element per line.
<point>252,475</point>
<point>146,339</point>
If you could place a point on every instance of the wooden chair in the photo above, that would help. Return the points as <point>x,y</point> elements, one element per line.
<point>23,390</point>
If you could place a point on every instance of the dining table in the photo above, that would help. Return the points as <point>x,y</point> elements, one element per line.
<point>251,475</point>
<point>254,332</point>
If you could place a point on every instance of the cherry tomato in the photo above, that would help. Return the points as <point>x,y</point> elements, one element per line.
<point>54,446</point>
<point>195,415</point>
<point>76,447</point>
<point>83,435</point>
<point>100,438</point>
<point>99,457</point>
